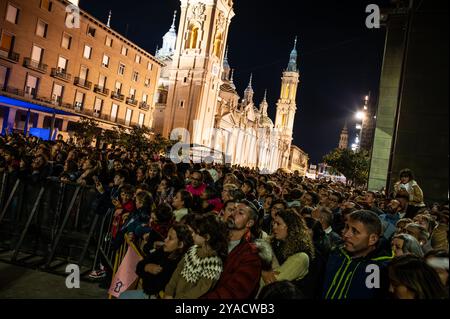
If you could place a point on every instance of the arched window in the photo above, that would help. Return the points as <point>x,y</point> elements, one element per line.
<point>287,91</point>
<point>192,39</point>
<point>218,45</point>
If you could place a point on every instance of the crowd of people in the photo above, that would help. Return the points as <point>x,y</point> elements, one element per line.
<point>215,231</point>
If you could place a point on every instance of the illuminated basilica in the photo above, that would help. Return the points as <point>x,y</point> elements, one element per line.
<point>196,93</point>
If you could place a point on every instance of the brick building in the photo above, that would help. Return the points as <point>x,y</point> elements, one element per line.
<point>54,70</point>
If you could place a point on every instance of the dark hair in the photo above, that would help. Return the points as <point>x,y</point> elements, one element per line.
<point>211,225</point>
<point>416,275</point>
<point>236,194</point>
<point>169,169</point>
<point>280,290</point>
<point>184,235</point>
<point>295,193</point>
<point>250,183</point>
<point>164,213</point>
<point>315,198</point>
<point>316,227</point>
<point>279,201</point>
<point>186,197</point>
<point>198,172</point>
<point>369,219</point>
<point>207,178</point>
<point>374,195</point>
<point>306,211</point>
<point>339,196</point>
<point>143,186</point>
<point>122,174</point>
<point>146,199</point>
<point>127,189</point>
<point>406,172</point>
<point>326,214</point>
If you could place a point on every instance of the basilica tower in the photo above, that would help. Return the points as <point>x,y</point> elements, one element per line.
<point>343,140</point>
<point>196,70</point>
<point>287,106</point>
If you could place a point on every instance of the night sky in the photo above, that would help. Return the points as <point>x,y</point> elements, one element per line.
<point>339,58</point>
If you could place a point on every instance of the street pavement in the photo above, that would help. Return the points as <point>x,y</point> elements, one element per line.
<point>23,283</point>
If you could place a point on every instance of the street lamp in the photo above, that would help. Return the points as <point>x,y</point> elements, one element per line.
<point>360,115</point>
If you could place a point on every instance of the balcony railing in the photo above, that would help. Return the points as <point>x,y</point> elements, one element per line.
<point>56,100</point>
<point>82,83</point>
<point>117,96</point>
<point>78,107</point>
<point>61,74</point>
<point>132,101</point>
<point>35,65</point>
<point>101,90</point>
<point>144,106</point>
<point>10,56</point>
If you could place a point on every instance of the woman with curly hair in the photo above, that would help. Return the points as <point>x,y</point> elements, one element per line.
<point>292,246</point>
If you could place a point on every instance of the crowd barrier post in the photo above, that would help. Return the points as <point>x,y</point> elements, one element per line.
<point>63,225</point>
<point>10,198</point>
<point>59,205</point>
<point>88,241</point>
<point>27,226</point>
<point>2,188</point>
<point>100,239</point>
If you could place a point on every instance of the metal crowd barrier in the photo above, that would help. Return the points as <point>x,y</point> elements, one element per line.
<point>50,224</point>
<point>51,221</point>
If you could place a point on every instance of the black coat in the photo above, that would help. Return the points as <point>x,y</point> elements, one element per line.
<point>153,284</point>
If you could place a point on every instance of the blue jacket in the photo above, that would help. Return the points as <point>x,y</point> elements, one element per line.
<point>345,277</point>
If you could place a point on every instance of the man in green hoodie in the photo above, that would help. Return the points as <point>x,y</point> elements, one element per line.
<point>357,270</point>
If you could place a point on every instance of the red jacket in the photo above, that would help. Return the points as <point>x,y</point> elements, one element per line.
<point>241,274</point>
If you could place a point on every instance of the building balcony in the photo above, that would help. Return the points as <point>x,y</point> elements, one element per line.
<point>131,101</point>
<point>9,56</point>
<point>117,96</point>
<point>78,107</point>
<point>144,106</point>
<point>35,65</point>
<point>101,90</point>
<point>56,100</point>
<point>61,74</point>
<point>83,83</point>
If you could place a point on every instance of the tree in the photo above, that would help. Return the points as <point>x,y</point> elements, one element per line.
<point>353,165</point>
<point>160,143</point>
<point>111,137</point>
<point>85,130</point>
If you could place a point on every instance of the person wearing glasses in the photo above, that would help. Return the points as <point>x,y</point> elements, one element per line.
<point>196,187</point>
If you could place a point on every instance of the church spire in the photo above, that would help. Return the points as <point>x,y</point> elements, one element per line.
<point>172,27</point>
<point>264,105</point>
<point>292,66</point>
<point>169,41</point>
<point>108,24</point>
<point>232,79</point>
<point>248,93</point>
<point>226,67</point>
